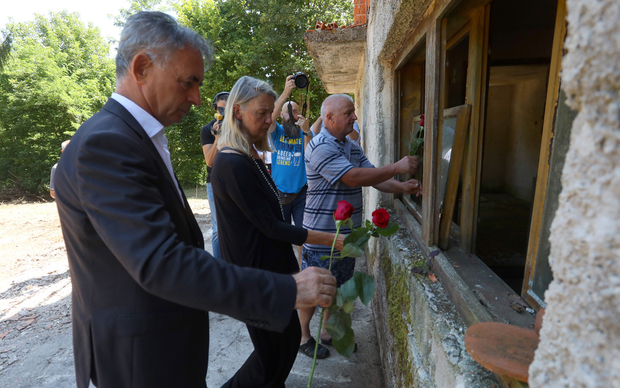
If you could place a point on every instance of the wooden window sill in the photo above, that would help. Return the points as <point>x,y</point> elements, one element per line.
<point>477,292</point>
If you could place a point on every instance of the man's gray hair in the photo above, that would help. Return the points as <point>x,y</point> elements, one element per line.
<point>158,35</point>
<point>328,100</point>
<point>241,94</point>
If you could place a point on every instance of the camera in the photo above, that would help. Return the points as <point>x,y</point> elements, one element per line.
<point>219,116</point>
<point>301,80</point>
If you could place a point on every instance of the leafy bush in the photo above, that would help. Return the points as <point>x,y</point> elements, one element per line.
<point>57,75</point>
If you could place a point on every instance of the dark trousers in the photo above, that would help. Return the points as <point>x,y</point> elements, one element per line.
<point>272,359</point>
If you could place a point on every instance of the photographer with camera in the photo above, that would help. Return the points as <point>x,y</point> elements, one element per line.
<point>208,137</point>
<point>289,141</point>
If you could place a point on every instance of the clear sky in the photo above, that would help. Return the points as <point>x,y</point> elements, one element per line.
<point>90,11</point>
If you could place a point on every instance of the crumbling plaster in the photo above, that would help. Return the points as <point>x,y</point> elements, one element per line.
<point>580,337</point>
<point>337,55</point>
<point>401,17</point>
<point>388,23</point>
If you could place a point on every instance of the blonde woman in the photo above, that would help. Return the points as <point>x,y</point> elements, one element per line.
<point>251,225</point>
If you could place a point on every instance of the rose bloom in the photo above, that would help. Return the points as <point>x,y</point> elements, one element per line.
<point>380,217</point>
<point>344,211</point>
<point>422,121</point>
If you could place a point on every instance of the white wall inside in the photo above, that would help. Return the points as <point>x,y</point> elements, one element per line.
<point>513,132</point>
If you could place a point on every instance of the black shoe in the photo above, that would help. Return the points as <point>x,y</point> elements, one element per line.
<point>308,349</point>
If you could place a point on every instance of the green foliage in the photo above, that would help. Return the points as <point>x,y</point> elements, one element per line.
<point>186,153</point>
<point>136,6</point>
<point>389,230</point>
<point>5,50</point>
<point>57,76</point>
<point>416,146</point>
<point>351,250</point>
<point>346,344</point>
<point>358,236</point>
<point>338,325</point>
<point>359,286</point>
<point>262,39</point>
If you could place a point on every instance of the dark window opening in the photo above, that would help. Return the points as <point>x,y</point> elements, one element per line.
<point>520,46</point>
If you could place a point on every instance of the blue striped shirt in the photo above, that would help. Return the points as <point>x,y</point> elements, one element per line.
<point>327,160</point>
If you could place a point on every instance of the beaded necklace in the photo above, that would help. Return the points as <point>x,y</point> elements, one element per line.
<point>275,192</point>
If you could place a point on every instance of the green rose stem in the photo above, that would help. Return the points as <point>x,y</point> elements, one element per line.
<point>318,336</point>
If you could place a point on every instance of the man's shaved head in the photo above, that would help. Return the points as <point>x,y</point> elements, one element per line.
<point>286,104</point>
<point>338,114</point>
<point>331,102</point>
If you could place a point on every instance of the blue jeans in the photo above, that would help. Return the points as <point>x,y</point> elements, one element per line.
<point>296,208</point>
<point>215,241</point>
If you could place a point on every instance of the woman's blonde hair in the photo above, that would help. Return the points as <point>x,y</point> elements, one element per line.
<point>232,135</point>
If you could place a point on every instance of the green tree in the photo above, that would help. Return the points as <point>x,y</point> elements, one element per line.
<point>5,51</point>
<point>136,6</point>
<point>57,76</point>
<point>259,38</point>
<point>262,39</point>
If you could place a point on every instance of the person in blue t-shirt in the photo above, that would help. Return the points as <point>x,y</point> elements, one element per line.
<point>288,168</point>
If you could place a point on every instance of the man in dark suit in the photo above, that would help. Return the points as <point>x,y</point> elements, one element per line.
<point>142,281</point>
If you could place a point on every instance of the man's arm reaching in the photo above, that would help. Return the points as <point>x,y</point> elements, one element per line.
<point>360,176</point>
<point>392,185</point>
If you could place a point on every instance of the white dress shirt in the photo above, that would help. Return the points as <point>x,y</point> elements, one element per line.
<point>154,129</point>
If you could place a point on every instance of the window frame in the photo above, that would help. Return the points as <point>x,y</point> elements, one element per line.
<point>432,31</point>
<point>462,113</point>
<point>451,265</point>
<point>544,161</point>
<point>416,51</point>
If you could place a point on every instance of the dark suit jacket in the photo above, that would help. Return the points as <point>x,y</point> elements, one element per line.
<point>142,282</point>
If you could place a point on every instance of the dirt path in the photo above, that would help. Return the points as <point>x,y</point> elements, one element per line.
<point>35,295</point>
<point>35,313</point>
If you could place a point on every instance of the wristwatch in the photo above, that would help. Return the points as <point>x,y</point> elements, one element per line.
<point>309,133</point>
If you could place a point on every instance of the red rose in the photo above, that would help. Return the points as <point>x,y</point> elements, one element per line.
<point>344,211</point>
<point>422,121</point>
<point>380,217</point>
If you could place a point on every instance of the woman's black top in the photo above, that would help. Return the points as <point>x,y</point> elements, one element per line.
<point>251,229</point>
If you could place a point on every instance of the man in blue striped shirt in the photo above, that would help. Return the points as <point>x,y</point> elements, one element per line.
<point>337,169</point>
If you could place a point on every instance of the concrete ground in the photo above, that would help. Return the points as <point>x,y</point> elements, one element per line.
<point>37,352</point>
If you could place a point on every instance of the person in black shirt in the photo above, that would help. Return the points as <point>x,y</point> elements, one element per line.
<point>208,137</point>
<point>253,232</point>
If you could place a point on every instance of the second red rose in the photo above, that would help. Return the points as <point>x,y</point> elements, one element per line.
<point>380,217</point>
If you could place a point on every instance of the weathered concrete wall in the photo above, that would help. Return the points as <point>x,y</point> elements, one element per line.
<point>420,333</point>
<point>580,337</point>
<point>337,55</point>
<point>377,96</point>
